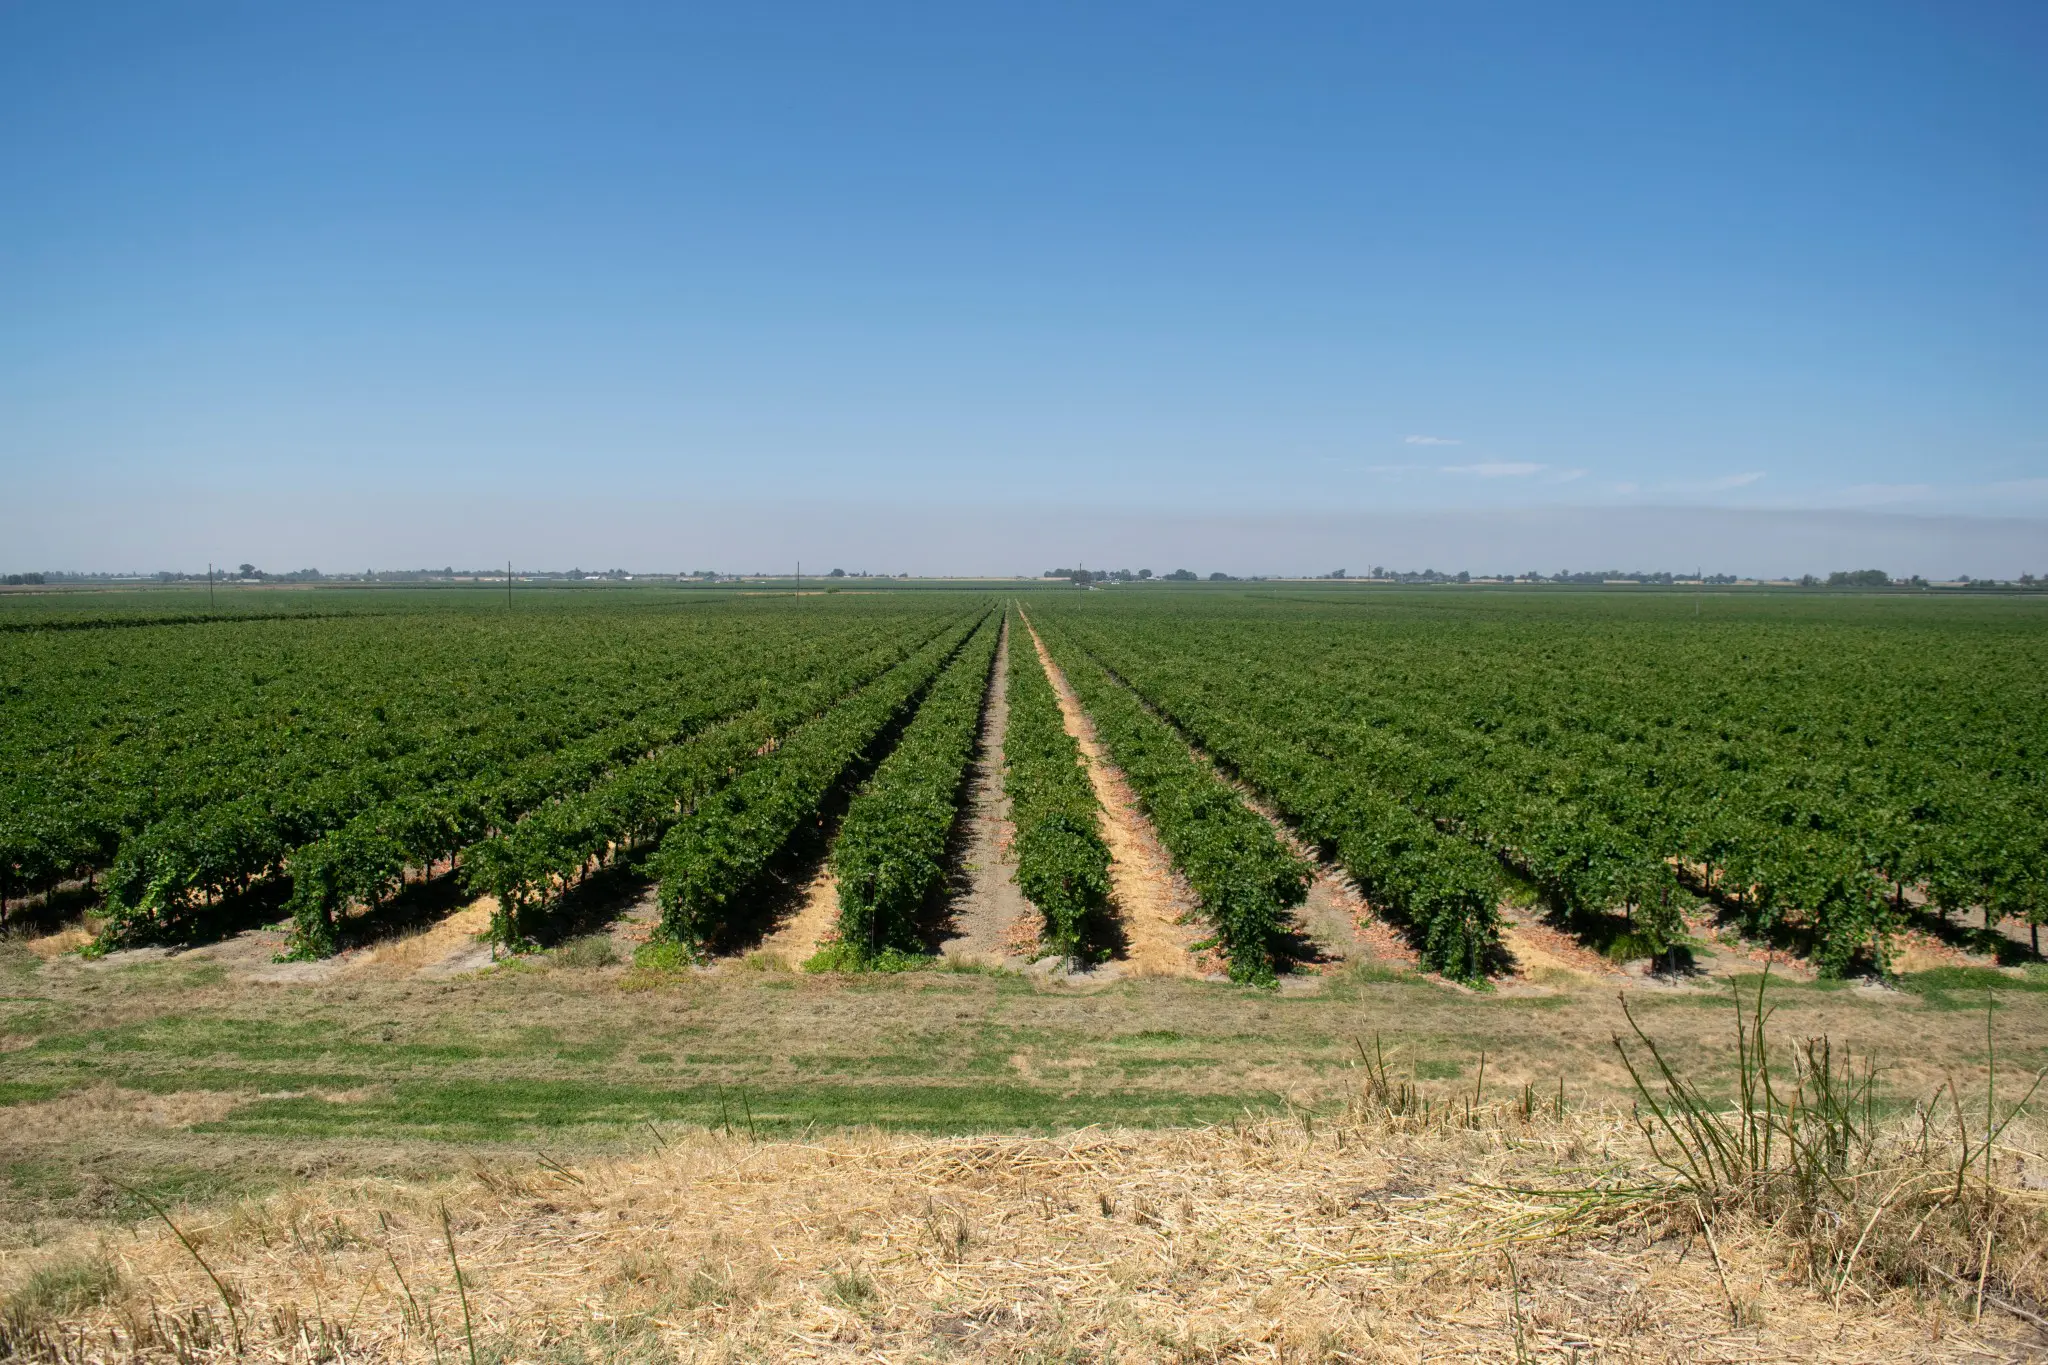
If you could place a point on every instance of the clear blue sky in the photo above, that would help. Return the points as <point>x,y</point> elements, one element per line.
<point>1171,260</point>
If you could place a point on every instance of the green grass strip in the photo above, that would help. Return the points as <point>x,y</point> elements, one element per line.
<point>508,1110</point>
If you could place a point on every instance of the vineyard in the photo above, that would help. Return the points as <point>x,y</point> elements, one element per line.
<point>768,970</point>
<point>1812,773</point>
<point>183,767</point>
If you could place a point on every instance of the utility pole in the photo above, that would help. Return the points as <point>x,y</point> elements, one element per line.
<point>209,585</point>
<point>799,578</point>
<point>508,585</point>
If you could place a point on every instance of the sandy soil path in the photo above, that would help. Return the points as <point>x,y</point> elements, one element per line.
<point>817,913</point>
<point>984,906</point>
<point>1541,954</point>
<point>444,949</point>
<point>1149,898</point>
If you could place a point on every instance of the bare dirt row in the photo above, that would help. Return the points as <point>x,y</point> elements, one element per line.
<point>988,919</point>
<point>1151,900</point>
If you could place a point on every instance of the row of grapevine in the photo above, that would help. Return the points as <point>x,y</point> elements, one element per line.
<point>1413,857</point>
<point>711,859</point>
<point>1246,879</point>
<point>1062,862</point>
<point>1591,851</point>
<point>520,837</point>
<point>1442,889</point>
<point>236,741</point>
<point>889,855</point>
<point>307,745</point>
<point>352,839</point>
<point>163,878</point>
<point>527,865</point>
<point>1592,844</point>
<point>1767,766</point>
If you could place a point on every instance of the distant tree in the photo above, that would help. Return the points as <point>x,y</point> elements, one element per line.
<point>1221,578</point>
<point>247,570</point>
<point>837,573</point>
<point>1860,578</point>
<point>1336,573</point>
<point>1144,574</point>
<point>1182,576</point>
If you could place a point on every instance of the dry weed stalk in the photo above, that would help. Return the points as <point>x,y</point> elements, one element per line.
<point>1802,1150</point>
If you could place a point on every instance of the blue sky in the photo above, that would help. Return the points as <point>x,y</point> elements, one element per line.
<point>1160,261</point>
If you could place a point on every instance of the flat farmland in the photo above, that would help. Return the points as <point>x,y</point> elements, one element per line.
<point>423,896</point>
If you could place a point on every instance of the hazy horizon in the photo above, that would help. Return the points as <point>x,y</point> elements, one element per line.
<point>1007,540</point>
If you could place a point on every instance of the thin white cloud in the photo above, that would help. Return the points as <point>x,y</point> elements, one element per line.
<point>1694,487</point>
<point>1497,469</point>
<point>1430,441</point>
<point>1567,475</point>
<point>1868,493</point>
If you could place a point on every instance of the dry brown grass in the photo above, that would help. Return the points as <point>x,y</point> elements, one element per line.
<point>101,1106</point>
<point>68,939</point>
<point>1381,1237</point>
<point>445,943</point>
<point>815,922</point>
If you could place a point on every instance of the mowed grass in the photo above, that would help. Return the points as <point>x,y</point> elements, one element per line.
<point>498,1111</point>
<point>195,1082</point>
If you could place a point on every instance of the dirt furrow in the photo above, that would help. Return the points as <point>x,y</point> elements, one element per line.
<point>1335,917</point>
<point>984,906</point>
<point>1150,899</point>
<point>798,937</point>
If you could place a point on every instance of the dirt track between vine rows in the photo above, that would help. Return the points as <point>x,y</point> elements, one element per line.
<point>1150,900</point>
